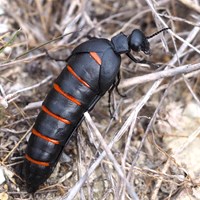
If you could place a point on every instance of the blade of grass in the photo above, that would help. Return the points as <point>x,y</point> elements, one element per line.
<point>10,42</point>
<point>43,44</point>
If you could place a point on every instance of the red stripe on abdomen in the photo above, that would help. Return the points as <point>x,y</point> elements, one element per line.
<point>45,109</point>
<point>37,162</point>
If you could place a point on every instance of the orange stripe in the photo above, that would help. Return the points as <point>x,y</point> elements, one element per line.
<point>71,98</point>
<point>55,116</point>
<point>45,137</point>
<point>37,162</point>
<point>76,76</point>
<point>96,57</point>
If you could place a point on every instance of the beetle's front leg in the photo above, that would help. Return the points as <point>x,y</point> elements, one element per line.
<point>142,61</point>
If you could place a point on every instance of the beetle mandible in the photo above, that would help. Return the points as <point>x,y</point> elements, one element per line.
<point>90,71</point>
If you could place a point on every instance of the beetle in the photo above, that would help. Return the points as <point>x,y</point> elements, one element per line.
<point>91,70</point>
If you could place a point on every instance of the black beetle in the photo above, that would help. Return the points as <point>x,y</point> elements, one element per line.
<point>91,70</point>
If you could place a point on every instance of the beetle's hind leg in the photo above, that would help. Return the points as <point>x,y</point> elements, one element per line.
<point>89,37</point>
<point>54,58</point>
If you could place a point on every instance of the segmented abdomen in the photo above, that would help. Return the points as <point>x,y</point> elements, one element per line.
<point>74,92</point>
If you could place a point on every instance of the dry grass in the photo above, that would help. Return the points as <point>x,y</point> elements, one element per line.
<point>151,150</point>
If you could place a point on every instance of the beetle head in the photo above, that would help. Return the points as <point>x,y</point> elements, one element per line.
<point>138,42</point>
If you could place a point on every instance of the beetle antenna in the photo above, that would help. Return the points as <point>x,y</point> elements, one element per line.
<point>154,34</point>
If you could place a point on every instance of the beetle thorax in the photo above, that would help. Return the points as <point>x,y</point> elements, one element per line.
<point>120,44</point>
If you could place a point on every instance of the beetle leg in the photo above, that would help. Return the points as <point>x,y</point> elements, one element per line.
<point>132,58</point>
<point>114,86</point>
<point>117,84</point>
<point>142,61</point>
<point>89,37</point>
<point>110,105</point>
<point>53,58</point>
